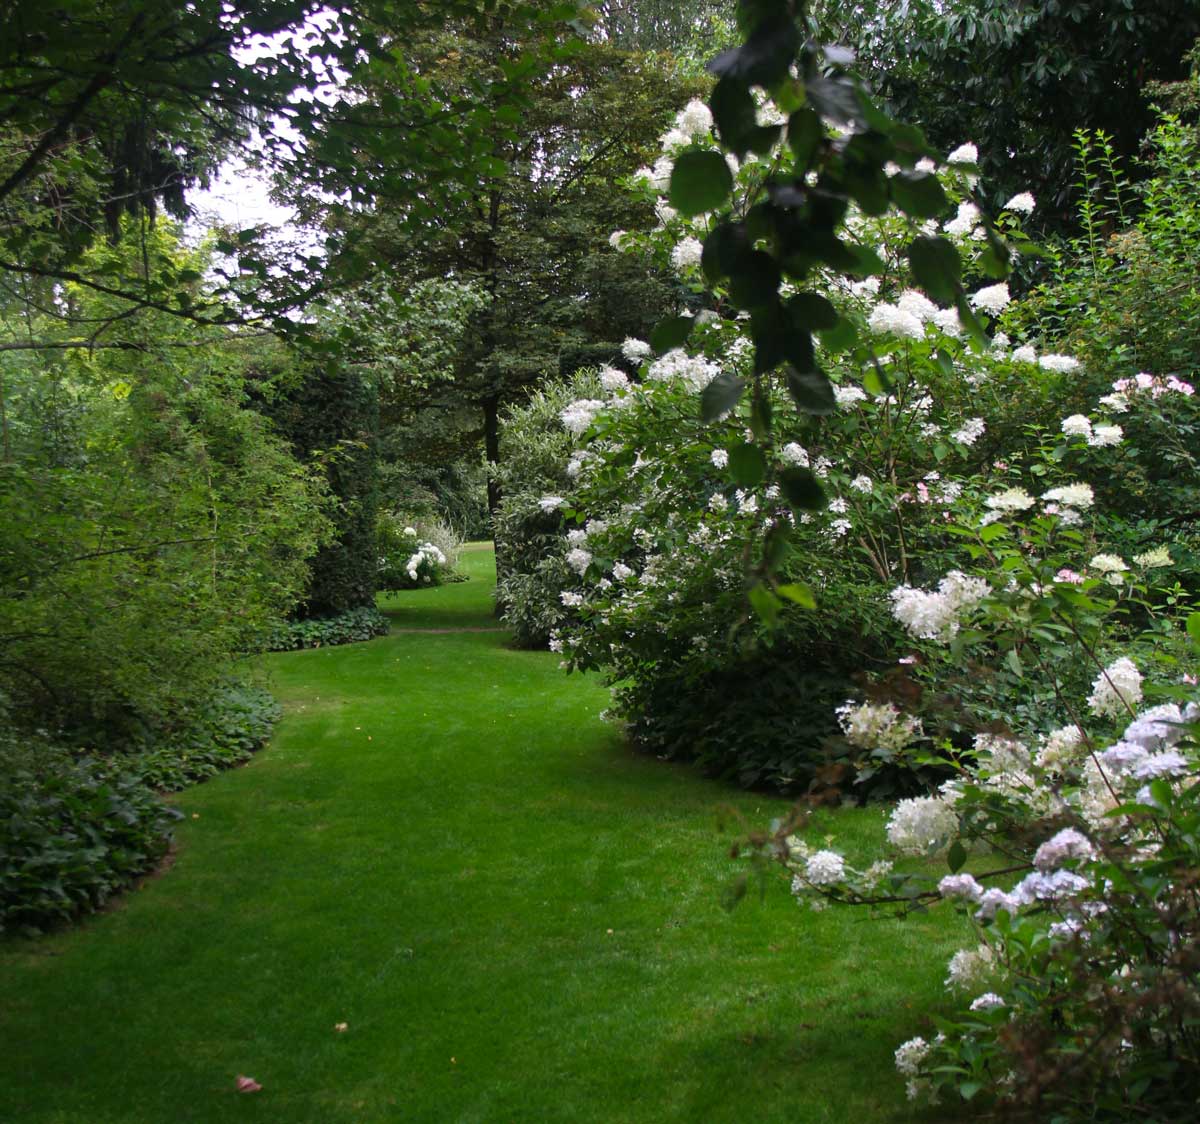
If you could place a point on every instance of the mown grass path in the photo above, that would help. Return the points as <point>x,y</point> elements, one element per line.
<point>446,849</point>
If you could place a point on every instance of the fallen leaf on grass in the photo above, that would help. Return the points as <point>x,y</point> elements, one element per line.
<point>341,1028</point>
<point>248,1085</point>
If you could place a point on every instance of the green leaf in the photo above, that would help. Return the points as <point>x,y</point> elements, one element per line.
<point>777,547</point>
<point>835,98</point>
<point>875,382</point>
<point>765,603</point>
<point>811,391</point>
<point>841,337</point>
<point>804,135</point>
<point>970,321</point>
<point>722,248</point>
<point>700,181</point>
<point>1193,628</point>
<point>1014,663</point>
<point>763,59</point>
<point>734,113</point>
<point>919,194</point>
<point>720,396</point>
<point>956,856</point>
<point>811,311</point>
<point>798,593</point>
<point>754,281</point>
<point>936,266</point>
<point>801,488</point>
<point>747,464</point>
<point>672,332</point>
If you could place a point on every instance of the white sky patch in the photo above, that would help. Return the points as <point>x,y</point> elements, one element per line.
<point>240,196</point>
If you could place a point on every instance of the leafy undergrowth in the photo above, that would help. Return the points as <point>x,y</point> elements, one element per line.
<point>516,919</point>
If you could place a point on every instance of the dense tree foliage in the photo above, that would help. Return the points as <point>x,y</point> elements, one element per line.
<point>1019,79</point>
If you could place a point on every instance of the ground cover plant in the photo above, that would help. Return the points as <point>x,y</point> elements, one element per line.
<point>447,851</point>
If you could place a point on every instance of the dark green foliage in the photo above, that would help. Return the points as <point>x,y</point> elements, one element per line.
<point>235,723</point>
<point>73,832</point>
<point>363,623</point>
<point>763,723</point>
<point>578,356</point>
<point>332,416</point>
<point>77,826</point>
<point>1018,79</point>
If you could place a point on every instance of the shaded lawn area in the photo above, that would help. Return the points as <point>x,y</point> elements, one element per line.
<point>518,919</point>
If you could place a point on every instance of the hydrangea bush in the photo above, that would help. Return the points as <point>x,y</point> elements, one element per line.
<point>411,558</point>
<point>674,517</point>
<point>1071,839</point>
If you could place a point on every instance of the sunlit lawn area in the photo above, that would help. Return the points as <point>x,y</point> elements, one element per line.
<point>516,918</point>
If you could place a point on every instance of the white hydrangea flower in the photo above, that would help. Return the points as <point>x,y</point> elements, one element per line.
<point>1155,557</point>
<point>969,432</point>
<point>824,868</point>
<point>964,154</point>
<point>635,350</point>
<point>579,560</point>
<point>577,416</point>
<point>934,614</point>
<point>917,304</point>
<point>1103,435</point>
<point>988,1001</point>
<point>622,572</point>
<point>1011,499</point>
<point>888,318</point>
<point>695,371</point>
<point>993,299</point>
<point>1116,689</point>
<point>877,725</point>
<point>1156,728</point>
<point>910,1055</point>
<point>571,600</point>
<point>862,483</point>
<point>946,320</point>
<point>686,253</point>
<point>1063,364</point>
<point>847,396</point>
<point>1071,495</point>
<point>793,453</point>
<point>968,968</point>
<point>695,119</point>
<point>1108,563</point>
<point>964,221</point>
<point>1024,354</point>
<point>1077,425</point>
<point>1169,763</point>
<point>719,458</point>
<point>550,503</point>
<point>613,380</point>
<point>921,825</point>
<point>617,238</point>
<point>1067,844</point>
<point>1061,748</point>
<point>1022,204</point>
<point>960,886</point>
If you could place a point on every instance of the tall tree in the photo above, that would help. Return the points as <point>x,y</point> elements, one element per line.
<point>531,236</point>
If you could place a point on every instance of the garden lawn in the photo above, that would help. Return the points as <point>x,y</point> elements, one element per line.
<point>517,919</point>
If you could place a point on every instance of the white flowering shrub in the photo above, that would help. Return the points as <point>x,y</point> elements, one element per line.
<point>672,512</point>
<point>412,557</point>
<point>537,477</point>
<point>1072,834</point>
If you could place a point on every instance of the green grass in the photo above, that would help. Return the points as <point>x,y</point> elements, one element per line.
<point>445,848</point>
